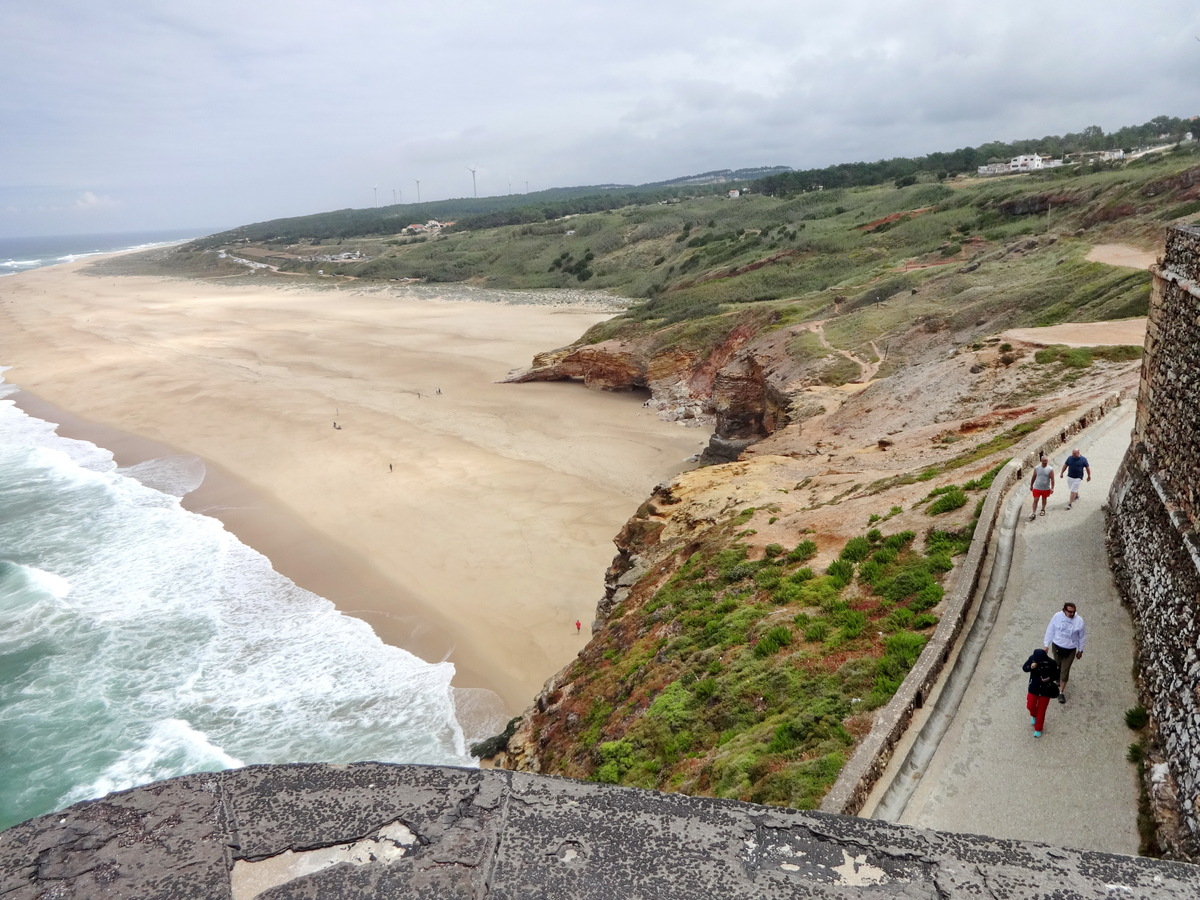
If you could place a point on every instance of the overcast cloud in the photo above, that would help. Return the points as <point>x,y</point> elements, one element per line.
<point>140,114</point>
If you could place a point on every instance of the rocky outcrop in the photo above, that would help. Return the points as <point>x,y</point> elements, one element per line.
<point>369,830</point>
<point>723,384</point>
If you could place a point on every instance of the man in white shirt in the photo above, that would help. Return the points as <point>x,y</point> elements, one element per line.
<point>1064,640</point>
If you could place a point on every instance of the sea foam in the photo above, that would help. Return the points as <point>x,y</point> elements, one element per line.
<point>140,641</point>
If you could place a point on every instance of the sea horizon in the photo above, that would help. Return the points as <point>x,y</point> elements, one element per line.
<point>20,254</point>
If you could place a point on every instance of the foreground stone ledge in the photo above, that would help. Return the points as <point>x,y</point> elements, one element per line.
<point>435,832</point>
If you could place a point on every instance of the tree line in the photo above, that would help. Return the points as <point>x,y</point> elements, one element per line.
<point>969,159</point>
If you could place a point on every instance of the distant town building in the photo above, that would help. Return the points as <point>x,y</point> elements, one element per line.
<point>433,226</point>
<point>734,194</point>
<point>1026,162</point>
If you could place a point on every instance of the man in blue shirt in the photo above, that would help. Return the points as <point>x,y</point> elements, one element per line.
<point>1074,468</point>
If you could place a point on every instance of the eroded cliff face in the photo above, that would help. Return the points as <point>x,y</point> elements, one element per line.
<point>727,385</point>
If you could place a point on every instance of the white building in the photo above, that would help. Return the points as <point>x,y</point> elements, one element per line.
<point>1025,163</point>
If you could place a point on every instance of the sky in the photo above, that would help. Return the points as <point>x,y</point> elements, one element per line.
<point>157,114</point>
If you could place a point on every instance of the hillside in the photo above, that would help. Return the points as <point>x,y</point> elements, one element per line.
<point>851,351</point>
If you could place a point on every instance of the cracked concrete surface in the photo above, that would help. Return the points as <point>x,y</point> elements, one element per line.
<point>417,831</point>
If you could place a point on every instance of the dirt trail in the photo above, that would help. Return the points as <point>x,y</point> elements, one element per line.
<point>1118,332</point>
<point>867,370</point>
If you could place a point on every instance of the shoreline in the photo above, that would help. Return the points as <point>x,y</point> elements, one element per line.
<point>296,550</point>
<point>460,518</point>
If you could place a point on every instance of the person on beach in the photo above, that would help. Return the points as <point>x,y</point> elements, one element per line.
<point>1066,635</point>
<point>1041,485</point>
<point>578,625</point>
<point>1074,468</point>
<point>1043,687</point>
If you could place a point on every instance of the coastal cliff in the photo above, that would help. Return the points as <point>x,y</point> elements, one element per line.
<point>760,610</point>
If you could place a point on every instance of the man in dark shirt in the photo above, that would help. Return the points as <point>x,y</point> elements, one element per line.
<point>1074,468</point>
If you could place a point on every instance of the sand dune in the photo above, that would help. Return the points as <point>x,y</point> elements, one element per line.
<point>460,517</point>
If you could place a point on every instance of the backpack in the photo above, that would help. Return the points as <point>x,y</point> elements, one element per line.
<point>1047,674</point>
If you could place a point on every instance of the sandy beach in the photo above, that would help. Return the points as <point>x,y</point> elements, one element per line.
<point>462,518</point>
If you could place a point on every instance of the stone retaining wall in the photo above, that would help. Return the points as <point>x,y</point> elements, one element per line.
<point>1152,533</point>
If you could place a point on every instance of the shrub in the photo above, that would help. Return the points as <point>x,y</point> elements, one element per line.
<point>908,582</point>
<point>772,550</point>
<point>870,572</point>
<point>950,543</point>
<point>940,561</point>
<point>927,598</point>
<point>884,556</point>
<point>856,549</point>
<point>774,640</point>
<point>817,631</point>
<point>841,572</point>
<point>853,623</point>
<point>616,758</point>
<point>768,577</point>
<point>739,572</point>
<point>923,621</point>
<point>672,706</point>
<point>1137,717</point>
<point>803,551</point>
<point>787,592</point>
<point>899,619</point>
<point>984,481</point>
<point>952,499</point>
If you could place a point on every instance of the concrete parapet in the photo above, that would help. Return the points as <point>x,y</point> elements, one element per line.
<point>369,830</point>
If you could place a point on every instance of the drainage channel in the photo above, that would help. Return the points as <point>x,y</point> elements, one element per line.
<point>895,799</point>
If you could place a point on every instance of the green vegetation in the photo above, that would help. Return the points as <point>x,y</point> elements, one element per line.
<point>1137,719</point>
<point>1082,357</point>
<point>763,670</point>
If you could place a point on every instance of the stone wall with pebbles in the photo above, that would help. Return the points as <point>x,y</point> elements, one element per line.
<point>1153,538</point>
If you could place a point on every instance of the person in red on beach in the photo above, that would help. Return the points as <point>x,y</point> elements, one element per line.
<point>578,625</point>
<point>1041,485</point>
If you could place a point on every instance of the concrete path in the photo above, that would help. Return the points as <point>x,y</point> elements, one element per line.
<point>1073,786</point>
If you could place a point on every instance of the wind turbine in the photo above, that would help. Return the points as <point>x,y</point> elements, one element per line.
<point>375,188</point>
<point>474,192</point>
<point>418,181</point>
<point>393,196</point>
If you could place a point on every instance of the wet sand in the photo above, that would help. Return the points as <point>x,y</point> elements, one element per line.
<point>462,518</point>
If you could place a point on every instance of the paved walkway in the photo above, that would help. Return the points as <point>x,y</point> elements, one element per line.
<point>1073,786</point>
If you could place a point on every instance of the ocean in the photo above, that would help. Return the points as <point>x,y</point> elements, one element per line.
<point>18,254</point>
<point>140,641</point>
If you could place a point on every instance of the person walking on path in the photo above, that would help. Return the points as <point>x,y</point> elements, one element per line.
<point>1066,634</point>
<point>1043,687</point>
<point>1041,485</point>
<point>1074,468</point>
